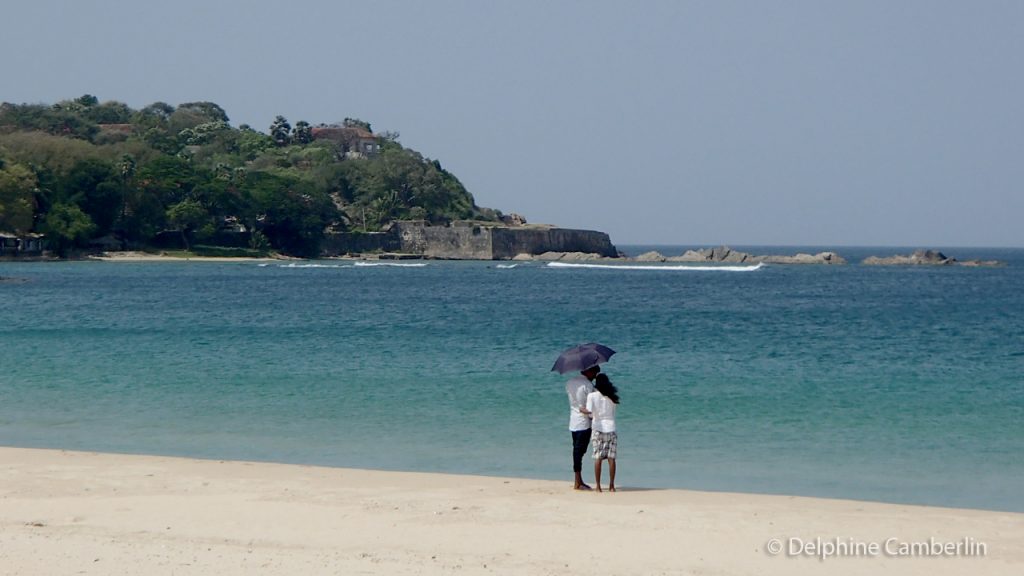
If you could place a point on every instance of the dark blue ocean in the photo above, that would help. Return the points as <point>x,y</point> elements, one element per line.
<point>895,384</point>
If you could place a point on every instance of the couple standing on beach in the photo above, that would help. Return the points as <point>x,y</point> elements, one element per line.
<point>592,402</point>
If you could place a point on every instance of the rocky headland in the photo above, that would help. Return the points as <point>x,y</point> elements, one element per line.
<point>926,258</point>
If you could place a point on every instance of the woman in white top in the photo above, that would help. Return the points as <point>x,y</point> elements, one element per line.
<point>601,407</point>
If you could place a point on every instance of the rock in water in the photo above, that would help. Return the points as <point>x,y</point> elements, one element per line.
<point>918,258</point>
<point>819,258</point>
<point>927,258</point>
<point>651,256</point>
<point>724,254</point>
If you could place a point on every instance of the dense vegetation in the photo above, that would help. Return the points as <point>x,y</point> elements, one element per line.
<point>82,170</point>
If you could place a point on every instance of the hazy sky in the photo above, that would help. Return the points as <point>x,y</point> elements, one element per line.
<point>771,122</point>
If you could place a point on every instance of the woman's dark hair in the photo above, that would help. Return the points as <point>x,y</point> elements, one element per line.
<point>606,388</point>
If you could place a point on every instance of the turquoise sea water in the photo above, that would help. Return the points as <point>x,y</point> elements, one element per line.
<point>891,384</point>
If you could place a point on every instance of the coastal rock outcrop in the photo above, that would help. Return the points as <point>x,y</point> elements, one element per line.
<point>652,256</point>
<point>561,256</point>
<point>721,254</point>
<point>802,258</point>
<point>925,258</point>
<point>513,219</point>
<point>726,255</point>
<point>918,258</point>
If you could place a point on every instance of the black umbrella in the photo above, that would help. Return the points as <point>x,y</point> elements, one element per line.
<point>581,357</point>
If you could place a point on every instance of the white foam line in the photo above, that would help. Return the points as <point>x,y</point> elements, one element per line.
<point>667,268</point>
<point>394,264</point>
<point>293,265</point>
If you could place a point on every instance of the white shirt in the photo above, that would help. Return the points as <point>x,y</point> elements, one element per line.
<point>603,410</point>
<point>577,388</point>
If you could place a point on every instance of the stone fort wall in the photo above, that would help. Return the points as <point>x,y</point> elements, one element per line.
<point>470,241</point>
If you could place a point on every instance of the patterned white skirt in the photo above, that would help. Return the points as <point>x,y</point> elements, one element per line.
<point>605,444</point>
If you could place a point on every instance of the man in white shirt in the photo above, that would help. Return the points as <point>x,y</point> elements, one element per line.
<point>579,423</point>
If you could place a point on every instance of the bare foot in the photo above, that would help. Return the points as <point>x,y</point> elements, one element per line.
<point>599,488</point>
<point>582,487</point>
<point>611,488</point>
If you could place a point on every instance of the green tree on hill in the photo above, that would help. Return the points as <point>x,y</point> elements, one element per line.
<point>66,227</point>
<point>188,216</point>
<point>280,131</point>
<point>18,187</point>
<point>92,186</point>
<point>109,113</point>
<point>356,123</point>
<point>86,101</point>
<point>302,133</point>
<point>401,180</point>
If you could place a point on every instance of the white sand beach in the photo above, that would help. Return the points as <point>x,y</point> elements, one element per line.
<point>85,513</point>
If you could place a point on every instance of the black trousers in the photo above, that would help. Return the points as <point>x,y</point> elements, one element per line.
<point>580,441</point>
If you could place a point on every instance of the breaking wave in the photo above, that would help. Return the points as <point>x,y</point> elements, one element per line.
<point>296,265</point>
<point>393,264</point>
<point>654,267</point>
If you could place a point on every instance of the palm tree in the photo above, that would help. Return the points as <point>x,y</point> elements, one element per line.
<point>280,131</point>
<point>126,167</point>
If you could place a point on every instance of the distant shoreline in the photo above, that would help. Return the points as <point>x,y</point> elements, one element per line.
<point>714,256</point>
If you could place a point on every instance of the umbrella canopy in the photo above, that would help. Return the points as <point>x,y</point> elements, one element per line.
<point>579,358</point>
